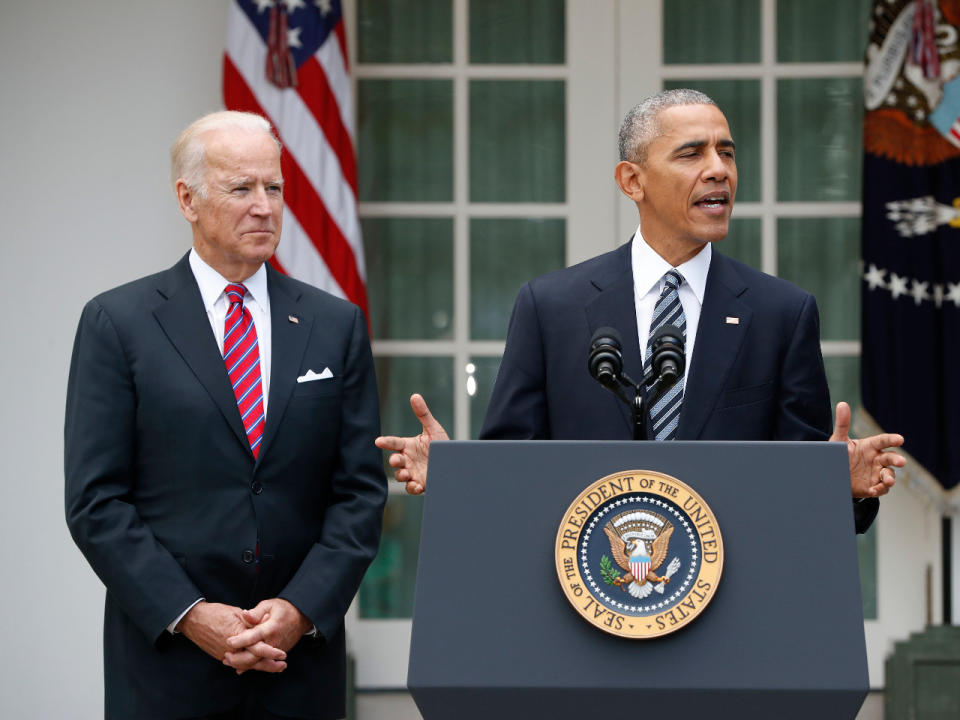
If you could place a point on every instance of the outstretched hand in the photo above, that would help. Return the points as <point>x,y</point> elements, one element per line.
<point>871,460</point>
<point>411,454</point>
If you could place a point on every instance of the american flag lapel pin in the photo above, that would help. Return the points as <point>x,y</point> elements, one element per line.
<point>732,320</point>
<point>296,321</point>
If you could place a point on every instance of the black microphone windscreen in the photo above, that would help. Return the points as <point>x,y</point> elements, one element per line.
<point>668,330</point>
<point>607,333</point>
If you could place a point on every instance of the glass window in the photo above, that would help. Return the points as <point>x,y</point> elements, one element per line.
<point>504,254</point>
<point>843,377</point>
<point>387,588</point>
<point>740,102</point>
<point>405,139</point>
<point>819,138</point>
<point>867,555</point>
<point>711,31</point>
<point>404,31</point>
<point>821,255</point>
<point>743,243</point>
<point>517,141</point>
<point>399,377</point>
<point>484,376</point>
<point>822,30</point>
<point>432,335</point>
<point>397,251</point>
<point>517,31</point>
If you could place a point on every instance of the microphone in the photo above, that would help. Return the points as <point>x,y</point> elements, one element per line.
<point>606,361</point>
<point>667,356</point>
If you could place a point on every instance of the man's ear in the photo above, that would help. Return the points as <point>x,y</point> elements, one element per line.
<point>629,177</point>
<point>187,199</point>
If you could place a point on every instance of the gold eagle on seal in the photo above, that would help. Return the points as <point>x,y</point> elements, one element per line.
<point>639,540</point>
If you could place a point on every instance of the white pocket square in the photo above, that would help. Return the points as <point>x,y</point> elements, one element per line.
<point>311,375</point>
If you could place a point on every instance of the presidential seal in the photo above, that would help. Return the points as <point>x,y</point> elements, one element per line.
<point>639,554</point>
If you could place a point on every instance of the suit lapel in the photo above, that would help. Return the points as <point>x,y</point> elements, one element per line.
<point>717,345</point>
<point>614,306</point>
<point>289,342</point>
<point>184,320</point>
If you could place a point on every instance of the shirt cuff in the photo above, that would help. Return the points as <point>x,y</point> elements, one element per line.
<point>171,628</point>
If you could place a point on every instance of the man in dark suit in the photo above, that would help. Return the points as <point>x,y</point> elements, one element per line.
<point>219,456</point>
<point>754,369</point>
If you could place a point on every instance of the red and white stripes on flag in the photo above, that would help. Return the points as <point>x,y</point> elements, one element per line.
<point>312,113</point>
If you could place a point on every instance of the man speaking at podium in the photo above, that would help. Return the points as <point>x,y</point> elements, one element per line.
<point>752,342</point>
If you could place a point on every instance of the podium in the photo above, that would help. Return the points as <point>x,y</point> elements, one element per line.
<point>495,637</point>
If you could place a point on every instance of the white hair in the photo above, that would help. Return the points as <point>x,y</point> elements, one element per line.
<point>641,126</point>
<point>188,153</point>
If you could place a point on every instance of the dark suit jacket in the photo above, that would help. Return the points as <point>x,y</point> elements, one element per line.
<point>165,500</point>
<point>759,379</point>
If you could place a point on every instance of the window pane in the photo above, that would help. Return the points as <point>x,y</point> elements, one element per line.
<point>398,378</point>
<point>517,31</point>
<point>517,141</point>
<point>822,255</point>
<point>504,254</point>
<point>822,30</point>
<point>740,102</point>
<point>405,140</point>
<point>819,138</point>
<point>387,588</point>
<point>404,31</point>
<point>718,31</point>
<point>397,251</point>
<point>744,242</point>
<point>484,375</point>
<point>867,555</point>
<point>843,377</point>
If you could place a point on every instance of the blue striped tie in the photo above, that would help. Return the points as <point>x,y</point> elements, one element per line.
<point>665,412</point>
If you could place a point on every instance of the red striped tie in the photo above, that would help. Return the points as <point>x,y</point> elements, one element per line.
<point>242,357</point>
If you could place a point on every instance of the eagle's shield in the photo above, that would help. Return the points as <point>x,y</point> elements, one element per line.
<point>639,567</point>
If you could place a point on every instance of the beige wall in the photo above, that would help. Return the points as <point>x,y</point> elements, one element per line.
<point>92,95</point>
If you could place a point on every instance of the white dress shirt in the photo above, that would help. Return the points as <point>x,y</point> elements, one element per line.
<point>257,301</point>
<point>648,271</point>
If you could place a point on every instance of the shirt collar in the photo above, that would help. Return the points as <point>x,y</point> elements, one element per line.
<point>212,283</point>
<point>649,268</point>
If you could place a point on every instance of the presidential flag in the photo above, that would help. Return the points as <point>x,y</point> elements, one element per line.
<point>287,60</point>
<point>911,230</point>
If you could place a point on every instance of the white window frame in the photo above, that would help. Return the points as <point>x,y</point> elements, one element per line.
<point>381,647</point>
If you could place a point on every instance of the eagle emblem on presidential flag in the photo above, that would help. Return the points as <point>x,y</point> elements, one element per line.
<point>639,541</point>
<point>910,230</point>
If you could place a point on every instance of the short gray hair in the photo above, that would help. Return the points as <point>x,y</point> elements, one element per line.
<point>188,153</point>
<point>640,126</point>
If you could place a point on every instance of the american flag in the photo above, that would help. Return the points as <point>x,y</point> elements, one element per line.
<point>287,61</point>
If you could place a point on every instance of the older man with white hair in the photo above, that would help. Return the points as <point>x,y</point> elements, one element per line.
<point>221,477</point>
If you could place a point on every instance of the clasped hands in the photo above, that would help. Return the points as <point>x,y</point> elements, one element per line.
<point>256,639</point>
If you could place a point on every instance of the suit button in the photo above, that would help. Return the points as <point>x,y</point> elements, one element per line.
<point>256,487</point>
<point>248,556</point>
